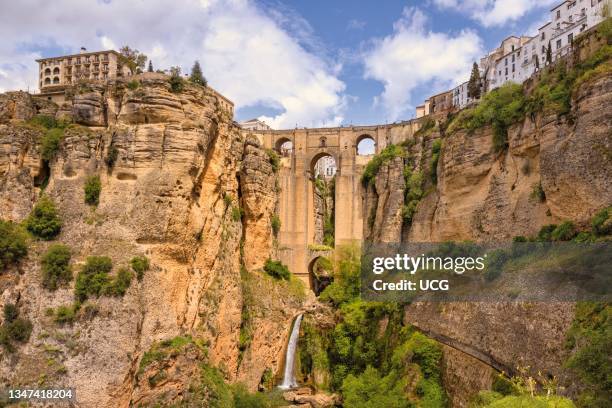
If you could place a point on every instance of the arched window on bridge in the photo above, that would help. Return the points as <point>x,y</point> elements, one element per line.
<point>320,273</point>
<point>366,145</point>
<point>324,166</point>
<point>284,147</point>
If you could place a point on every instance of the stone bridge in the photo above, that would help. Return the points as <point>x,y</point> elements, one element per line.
<point>296,179</point>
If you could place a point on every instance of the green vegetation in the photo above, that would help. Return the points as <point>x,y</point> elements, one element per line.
<point>236,213</point>
<point>412,193</point>
<point>564,232</point>
<point>602,222</point>
<point>277,269</point>
<point>428,125</point>
<point>111,156</point>
<point>66,314</point>
<point>133,59</point>
<point>491,399</point>
<point>386,155</point>
<point>372,364</point>
<point>43,221</point>
<point>93,277</point>
<point>14,329</point>
<point>133,85</point>
<point>139,264</point>
<point>13,243</point>
<point>274,159</point>
<point>435,157</point>
<point>50,143</point>
<point>499,108</point>
<point>92,188</point>
<point>120,284</point>
<point>320,247</point>
<point>167,348</point>
<point>176,81</point>
<point>55,266</point>
<point>246,319</point>
<point>590,339</point>
<point>196,76</point>
<point>475,83</point>
<point>275,223</point>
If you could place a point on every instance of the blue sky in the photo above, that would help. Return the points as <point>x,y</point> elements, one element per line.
<point>305,63</point>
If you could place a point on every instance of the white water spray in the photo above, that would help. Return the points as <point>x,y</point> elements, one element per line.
<point>289,378</point>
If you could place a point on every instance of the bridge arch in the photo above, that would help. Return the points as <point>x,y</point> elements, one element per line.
<point>365,145</point>
<point>284,146</point>
<point>320,274</point>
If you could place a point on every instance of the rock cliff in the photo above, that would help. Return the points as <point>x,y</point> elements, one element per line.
<point>181,185</point>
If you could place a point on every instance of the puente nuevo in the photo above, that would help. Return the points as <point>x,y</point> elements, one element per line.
<point>296,182</point>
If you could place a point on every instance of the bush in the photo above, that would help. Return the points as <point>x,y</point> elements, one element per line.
<point>111,156</point>
<point>277,270</point>
<point>274,160</point>
<point>50,143</point>
<point>601,223</point>
<point>44,221</point>
<point>176,83</point>
<point>92,188</point>
<point>66,314</point>
<point>275,222</point>
<point>435,157</point>
<point>564,232</point>
<point>545,233</point>
<point>46,121</point>
<point>93,277</point>
<point>133,85</point>
<point>140,264</point>
<point>14,328</point>
<point>13,243</point>
<point>495,263</point>
<point>120,284</point>
<point>56,269</point>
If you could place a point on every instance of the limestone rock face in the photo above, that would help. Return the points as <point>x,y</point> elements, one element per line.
<point>177,156</point>
<point>258,191</point>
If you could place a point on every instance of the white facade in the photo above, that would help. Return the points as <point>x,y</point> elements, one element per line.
<point>460,96</point>
<point>325,167</point>
<point>254,124</point>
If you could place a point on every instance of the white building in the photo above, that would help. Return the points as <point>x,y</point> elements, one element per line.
<point>254,124</point>
<point>460,96</point>
<point>325,167</point>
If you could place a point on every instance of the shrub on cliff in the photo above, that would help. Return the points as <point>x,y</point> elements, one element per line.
<point>111,156</point>
<point>274,160</point>
<point>92,189</point>
<point>93,277</point>
<point>140,264</point>
<point>14,328</point>
<point>120,284</point>
<point>435,157</point>
<point>277,270</point>
<point>275,223</point>
<point>601,223</point>
<point>50,143</point>
<point>564,232</point>
<point>44,221</point>
<point>56,269</point>
<point>176,82</point>
<point>13,243</point>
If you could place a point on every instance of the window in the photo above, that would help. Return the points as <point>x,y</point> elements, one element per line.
<point>512,67</point>
<point>512,57</point>
<point>570,38</point>
<point>558,14</point>
<point>583,12</point>
<point>506,71</point>
<point>513,48</point>
<point>506,62</point>
<point>559,44</point>
<point>571,18</point>
<point>543,37</point>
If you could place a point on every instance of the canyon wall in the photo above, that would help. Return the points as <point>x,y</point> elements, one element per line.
<point>187,190</point>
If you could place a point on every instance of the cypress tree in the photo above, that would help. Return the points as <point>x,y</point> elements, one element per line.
<point>474,83</point>
<point>150,69</point>
<point>549,54</point>
<point>196,74</point>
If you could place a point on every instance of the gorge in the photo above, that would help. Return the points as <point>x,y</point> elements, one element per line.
<point>193,251</point>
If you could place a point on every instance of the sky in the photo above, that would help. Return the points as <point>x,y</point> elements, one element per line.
<point>292,63</point>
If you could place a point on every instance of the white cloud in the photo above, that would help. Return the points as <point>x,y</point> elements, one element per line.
<point>412,56</point>
<point>248,54</point>
<point>495,12</point>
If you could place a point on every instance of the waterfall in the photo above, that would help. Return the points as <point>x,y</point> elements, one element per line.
<point>289,378</point>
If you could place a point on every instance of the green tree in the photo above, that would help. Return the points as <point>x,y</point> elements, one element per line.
<point>56,269</point>
<point>549,54</point>
<point>196,74</point>
<point>176,82</point>
<point>43,221</point>
<point>93,277</point>
<point>92,189</point>
<point>133,59</point>
<point>150,69</point>
<point>371,390</point>
<point>475,83</point>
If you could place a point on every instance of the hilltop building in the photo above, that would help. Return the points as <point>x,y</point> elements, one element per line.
<point>518,58</point>
<point>254,124</point>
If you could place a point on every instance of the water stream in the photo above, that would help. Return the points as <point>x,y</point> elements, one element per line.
<point>289,376</point>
